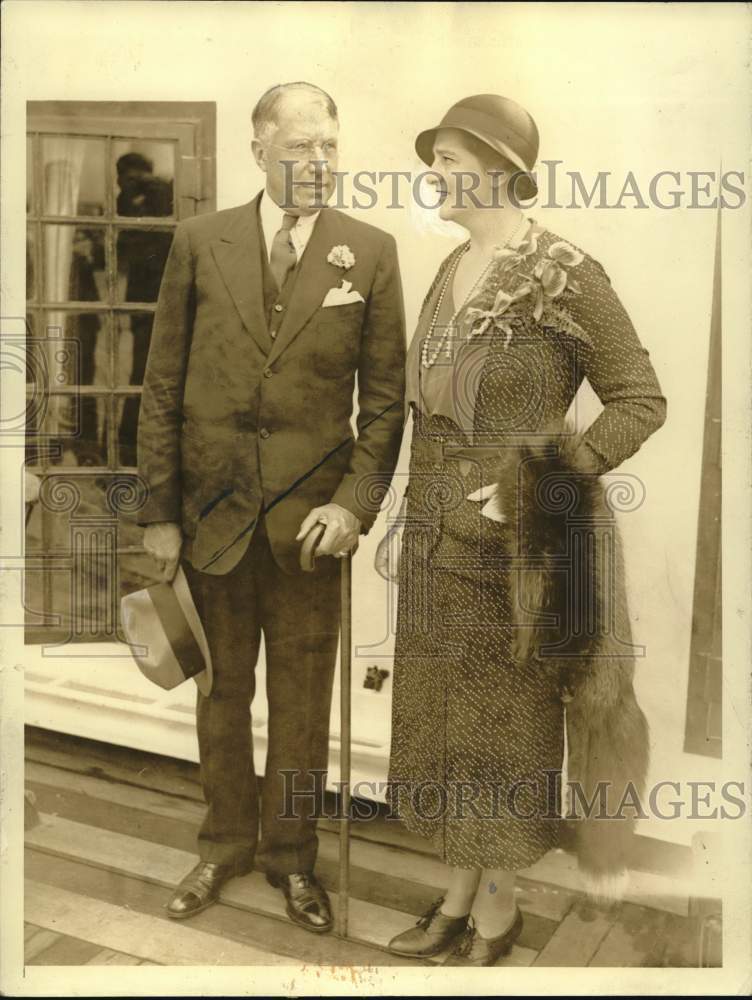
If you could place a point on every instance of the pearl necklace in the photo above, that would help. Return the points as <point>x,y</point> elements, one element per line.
<point>427,358</point>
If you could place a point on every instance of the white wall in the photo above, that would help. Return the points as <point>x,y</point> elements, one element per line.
<point>608,92</point>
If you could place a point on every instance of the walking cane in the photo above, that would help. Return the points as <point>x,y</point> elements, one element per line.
<point>307,562</point>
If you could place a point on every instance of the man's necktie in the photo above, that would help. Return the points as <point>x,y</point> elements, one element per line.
<point>283,257</point>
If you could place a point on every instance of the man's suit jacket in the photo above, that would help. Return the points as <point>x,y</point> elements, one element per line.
<point>233,422</point>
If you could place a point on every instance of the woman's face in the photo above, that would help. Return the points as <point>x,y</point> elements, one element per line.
<point>465,178</point>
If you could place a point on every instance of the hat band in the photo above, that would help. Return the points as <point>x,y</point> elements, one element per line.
<point>469,118</point>
<point>181,638</point>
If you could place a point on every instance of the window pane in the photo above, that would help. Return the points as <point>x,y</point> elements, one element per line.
<point>74,175</point>
<point>126,417</point>
<point>73,430</point>
<point>32,374</point>
<point>111,495</point>
<point>29,174</point>
<point>74,264</point>
<point>144,177</point>
<point>31,262</point>
<point>88,604</point>
<point>84,600</point>
<point>85,361</point>
<point>141,257</point>
<point>132,347</point>
<point>87,596</point>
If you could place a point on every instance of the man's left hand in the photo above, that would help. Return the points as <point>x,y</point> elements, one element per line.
<point>342,530</point>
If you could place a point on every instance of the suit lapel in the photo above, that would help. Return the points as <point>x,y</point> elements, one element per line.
<point>238,256</point>
<point>315,277</point>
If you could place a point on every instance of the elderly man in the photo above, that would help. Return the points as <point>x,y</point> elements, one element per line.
<point>266,314</point>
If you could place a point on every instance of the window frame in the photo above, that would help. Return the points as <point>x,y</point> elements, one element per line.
<point>191,128</point>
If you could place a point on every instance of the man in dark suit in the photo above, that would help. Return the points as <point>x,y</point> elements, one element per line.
<point>266,314</point>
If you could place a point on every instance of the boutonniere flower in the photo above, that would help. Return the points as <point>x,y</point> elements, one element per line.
<point>341,256</point>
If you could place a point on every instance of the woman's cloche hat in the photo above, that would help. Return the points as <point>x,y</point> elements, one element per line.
<point>500,123</point>
<point>166,636</point>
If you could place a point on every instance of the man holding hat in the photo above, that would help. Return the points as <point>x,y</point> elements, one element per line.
<point>266,314</point>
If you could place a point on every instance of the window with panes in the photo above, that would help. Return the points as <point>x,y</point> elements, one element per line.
<point>106,186</point>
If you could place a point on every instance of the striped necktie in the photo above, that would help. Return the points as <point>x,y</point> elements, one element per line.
<point>283,257</point>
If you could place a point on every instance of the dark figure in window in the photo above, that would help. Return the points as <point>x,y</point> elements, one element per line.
<point>87,261</point>
<point>141,257</point>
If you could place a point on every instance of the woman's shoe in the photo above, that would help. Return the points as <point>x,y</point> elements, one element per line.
<point>432,933</point>
<point>472,949</point>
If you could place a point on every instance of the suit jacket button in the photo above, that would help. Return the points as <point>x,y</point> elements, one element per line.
<point>278,308</point>
<point>268,373</point>
<point>264,432</point>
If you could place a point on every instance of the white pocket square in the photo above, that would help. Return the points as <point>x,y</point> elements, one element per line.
<point>341,296</point>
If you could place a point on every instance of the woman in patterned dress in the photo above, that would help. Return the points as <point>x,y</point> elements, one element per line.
<point>513,323</point>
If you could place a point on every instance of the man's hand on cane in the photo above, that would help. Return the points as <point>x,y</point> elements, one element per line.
<point>163,541</point>
<point>342,530</point>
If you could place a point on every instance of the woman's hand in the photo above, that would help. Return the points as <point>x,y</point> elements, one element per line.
<point>387,559</point>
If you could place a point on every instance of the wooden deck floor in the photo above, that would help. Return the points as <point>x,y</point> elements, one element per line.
<point>117,831</point>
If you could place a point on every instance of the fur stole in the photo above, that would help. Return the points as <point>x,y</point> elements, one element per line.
<point>570,616</point>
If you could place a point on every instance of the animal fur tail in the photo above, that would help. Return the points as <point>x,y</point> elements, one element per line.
<point>571,615</point>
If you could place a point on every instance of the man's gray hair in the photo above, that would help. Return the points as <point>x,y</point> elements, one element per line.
<point>264,115</point>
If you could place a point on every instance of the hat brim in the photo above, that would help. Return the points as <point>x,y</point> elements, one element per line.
<point>166,636</point>
<point>205,679</point>
<point>525,186</point>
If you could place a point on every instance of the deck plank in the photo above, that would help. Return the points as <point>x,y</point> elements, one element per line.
<point>116,763</point>
<point>157,805</point>
<point>107,956</point>
<point>577,938</point>
<point>67,950</point>
<point>147,937</point>
<point>279,937</point>
<point>645,888</point>
<point>386,875</point>
<point>166,866</point>
<point>368,922</point>
<point>37,943</point>
<point>176,824</point>
<point>637,939</point>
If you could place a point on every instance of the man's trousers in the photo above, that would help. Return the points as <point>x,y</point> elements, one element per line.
<point>299,618</point>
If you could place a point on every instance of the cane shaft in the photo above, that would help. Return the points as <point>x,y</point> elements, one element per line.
<point>345,664</point>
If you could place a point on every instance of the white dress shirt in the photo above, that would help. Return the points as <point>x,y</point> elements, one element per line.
<point>271,223</point>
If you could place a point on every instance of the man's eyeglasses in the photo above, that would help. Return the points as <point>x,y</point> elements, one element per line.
<point>309,150</point>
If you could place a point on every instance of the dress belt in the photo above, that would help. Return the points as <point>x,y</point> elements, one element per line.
<point>437,453</point>
<point>437,450</point>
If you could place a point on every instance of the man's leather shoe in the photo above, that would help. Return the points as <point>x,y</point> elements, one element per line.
<point>200,887</point>
<point>433,932</point>
<point>307,901</point>
<point>472,949</point>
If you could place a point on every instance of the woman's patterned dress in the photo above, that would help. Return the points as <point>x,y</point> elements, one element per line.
<point>477,738</point>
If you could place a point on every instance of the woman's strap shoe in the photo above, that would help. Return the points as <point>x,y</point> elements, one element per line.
<point>432,933</point>
<point>472,949</point>
<point>307,901</point>
<point>200,887</point>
